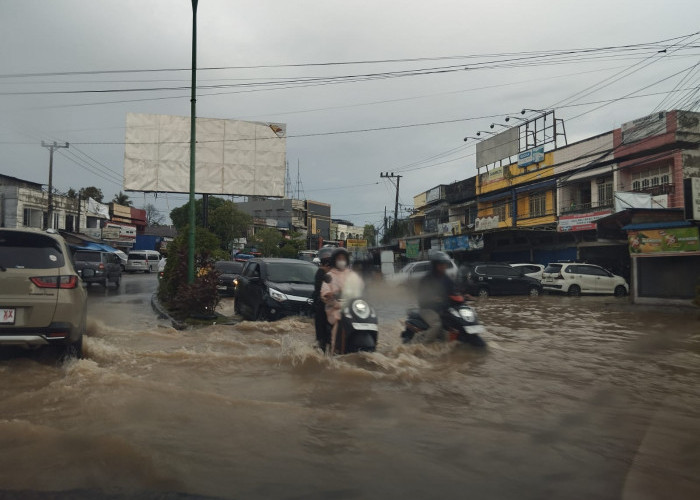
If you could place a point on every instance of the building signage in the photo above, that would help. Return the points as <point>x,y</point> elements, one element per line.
<point>476,242</point>
<point>454,243</point>
<point>355,244</point>
<point>92,232</point>
<point>641,128</point>
<point>113,231</point>
<point>493,175</point>
<point>692,198</point>
<point>531,156</point>
<point>483,223</point>
<point>110,233</point>
<point>450,228</point>
<point>581,222</point>
<point>412,249</point>
<point>669,240</point>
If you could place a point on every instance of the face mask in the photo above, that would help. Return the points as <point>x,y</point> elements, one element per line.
<point>341,264</point>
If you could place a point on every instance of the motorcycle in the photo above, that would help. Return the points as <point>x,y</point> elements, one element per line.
<point>357,328</point>
<point>460,323</point>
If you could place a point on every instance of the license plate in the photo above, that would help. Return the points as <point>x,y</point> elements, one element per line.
<point>221,287</point>
<point>7,316</point>
<point>475,329</point>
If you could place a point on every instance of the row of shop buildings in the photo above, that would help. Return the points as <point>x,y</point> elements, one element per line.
<point>589,201</point>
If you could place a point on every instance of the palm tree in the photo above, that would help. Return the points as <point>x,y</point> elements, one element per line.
<point>122,199</point>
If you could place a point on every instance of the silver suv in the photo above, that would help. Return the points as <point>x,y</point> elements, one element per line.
<point>42,300</point>
<point>575,278</point>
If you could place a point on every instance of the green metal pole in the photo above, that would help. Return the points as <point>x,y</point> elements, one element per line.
<point>193,141</point>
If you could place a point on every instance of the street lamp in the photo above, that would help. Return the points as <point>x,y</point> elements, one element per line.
<point>516,117</point>
<point>485,132</point>
<point>475,138</point>
<point>533,111</point>
<point>499,124</point>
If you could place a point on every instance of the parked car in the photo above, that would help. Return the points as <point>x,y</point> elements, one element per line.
<point>98,267</point>
<point>532,270</point>
<point>142,260</point>
<point>575,278</point>
<point>42,301</point>
<point>228,273</point>
<point>493,278</point>
<point>414,271</point>
<point>270,289</point>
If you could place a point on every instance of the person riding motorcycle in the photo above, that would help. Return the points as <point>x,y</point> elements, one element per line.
<point>320,321</point>
<point>434,291</point>
<point>341,283</point>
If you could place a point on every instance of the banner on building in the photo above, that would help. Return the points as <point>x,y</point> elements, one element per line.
<point>97,209</point>
<point>625,200</point>
<point>669,240</point>
<point>581,222</point>
<point>450,228</point>
<point>412,249</point>
<point>531,156</point>
<point>476,242</point>
<point>483,223</point>
<point>455,243</point>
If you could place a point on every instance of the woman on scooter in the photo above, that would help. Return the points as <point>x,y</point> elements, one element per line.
<point>341,283</point>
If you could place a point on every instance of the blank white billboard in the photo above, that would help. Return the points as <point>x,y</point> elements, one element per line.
<point>498,147</point>
<point>232,156</point>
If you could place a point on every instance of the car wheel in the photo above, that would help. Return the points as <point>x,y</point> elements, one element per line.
<point>574,290</point>
<point>483,293</point>
<point>620,291</point>
<point>534,292</point>
<point>262,314</point>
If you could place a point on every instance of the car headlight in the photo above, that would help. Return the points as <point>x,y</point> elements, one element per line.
<point>361,309</point>
<point>277,295</point>
<point>467,314</point>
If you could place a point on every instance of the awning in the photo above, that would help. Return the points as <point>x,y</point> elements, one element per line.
<point>656,225</point>
<point>494,197</point>
<point>537,186</point>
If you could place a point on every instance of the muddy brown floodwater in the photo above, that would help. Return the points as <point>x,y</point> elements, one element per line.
<point>574,398</point>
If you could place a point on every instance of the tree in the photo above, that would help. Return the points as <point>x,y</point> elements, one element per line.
<point>72,194</point>
<point>92,192</point>
<point>181,215</point>
<point>228,223</point>
<point>153,215</point>
<point>370,234</point>
<point>268,241</point>
<point>290,247</point>
<point>122,199</point>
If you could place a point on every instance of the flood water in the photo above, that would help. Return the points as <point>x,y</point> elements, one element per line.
<point>574,398</point>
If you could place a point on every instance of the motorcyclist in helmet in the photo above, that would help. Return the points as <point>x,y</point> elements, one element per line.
<point>341,283</point>
<point>434,291</point>
<point>323,331</point>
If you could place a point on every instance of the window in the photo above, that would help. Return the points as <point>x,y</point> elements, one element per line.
<point>651,178</point>
<point>500,212</point>
<point>538,204</point>
<point>605,193</point>
<point>32,217</point>
<point>29,251</point>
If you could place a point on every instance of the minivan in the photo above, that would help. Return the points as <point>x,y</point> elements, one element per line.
<point>142,260</point>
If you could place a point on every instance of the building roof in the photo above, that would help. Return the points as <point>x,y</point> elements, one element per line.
<point>17,180</point>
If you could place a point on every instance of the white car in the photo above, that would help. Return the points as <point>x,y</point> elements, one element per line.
<point>532,270</point>
<point>574,279</point>
<point>414,271</point>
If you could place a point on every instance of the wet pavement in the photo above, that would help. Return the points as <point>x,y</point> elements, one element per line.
<point>575,397</point>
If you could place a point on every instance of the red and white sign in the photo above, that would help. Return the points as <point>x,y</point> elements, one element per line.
<point>7,316</point>
<point>124,231</point>
<point>581,222</point>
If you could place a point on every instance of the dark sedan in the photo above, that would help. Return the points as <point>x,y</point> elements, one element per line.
<point>228,273</point>
<point>269,289</point>
<point>493,278</point>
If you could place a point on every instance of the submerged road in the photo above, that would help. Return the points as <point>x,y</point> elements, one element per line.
<point>574,398</point>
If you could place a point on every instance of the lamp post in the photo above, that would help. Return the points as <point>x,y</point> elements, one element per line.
<point>474,138</point>
<point>485,132</point>
<point>499,124</point>
<point>193,140</point>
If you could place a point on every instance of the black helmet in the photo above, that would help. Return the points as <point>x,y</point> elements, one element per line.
<point>324,255</point>
<point>339,251</point>
<point>439,258</point>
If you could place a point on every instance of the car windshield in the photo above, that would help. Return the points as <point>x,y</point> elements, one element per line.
<point>33,251</point>
<point>87,257</point>
<point>291,272</point>
<point>227,267</point>
<point>553,268</point>
<point>137,256</point>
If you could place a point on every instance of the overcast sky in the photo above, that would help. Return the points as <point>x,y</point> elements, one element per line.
<point>108,35</point>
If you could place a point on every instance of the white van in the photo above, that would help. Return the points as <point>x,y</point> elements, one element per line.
<point>142,260</point>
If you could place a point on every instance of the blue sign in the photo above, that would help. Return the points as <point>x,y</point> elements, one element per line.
<point>531,156</point>
<point>456,243</point>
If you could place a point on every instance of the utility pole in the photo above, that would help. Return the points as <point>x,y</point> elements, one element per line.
<point>392,175</point>
<point>51,147</point>
<point>193,142</point>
